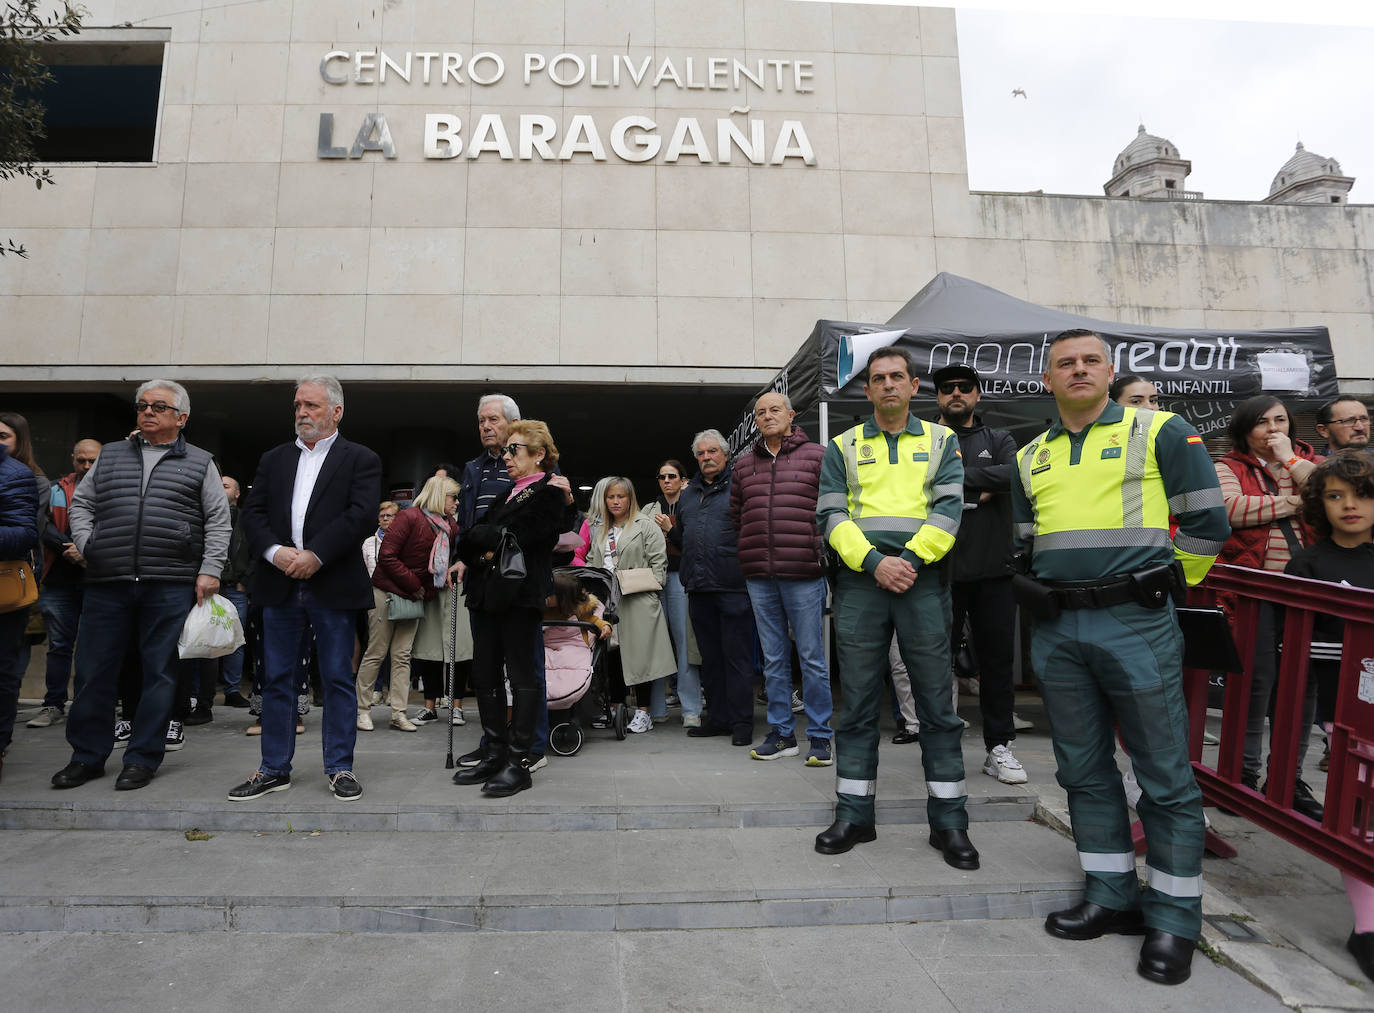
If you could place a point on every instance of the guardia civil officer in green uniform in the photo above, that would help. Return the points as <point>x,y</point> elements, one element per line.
<point>891,495</point>
<point>1091,514</point>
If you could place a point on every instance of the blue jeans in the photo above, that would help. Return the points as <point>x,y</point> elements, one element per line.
<point>12,626</point>
<point>231,667</point>
<point>61,608</point>
<point>674,600</point>
<point>801,605</point>
<point>284,626</point>
<point>152,612</point>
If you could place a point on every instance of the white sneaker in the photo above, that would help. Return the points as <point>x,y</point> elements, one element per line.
<point>641,722</point>
<point>401,723</point>
<point>47,717</point>
<point>539,764</point>
<point>1005,767</point>
<point>797,705</point>
<point>458,718</point>
<point>377,698</point>
<point>1020,723</point>
<point>364,721</point>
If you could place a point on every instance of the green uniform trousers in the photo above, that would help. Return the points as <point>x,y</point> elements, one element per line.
<point>865,617</point>
<point>1123,664</point>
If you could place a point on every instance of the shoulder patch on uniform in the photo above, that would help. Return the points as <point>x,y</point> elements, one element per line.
<point>866,450</point>
<point>1195,438</point>
<point>1043,456</point>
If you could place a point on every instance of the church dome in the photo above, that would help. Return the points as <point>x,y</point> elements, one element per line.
<point>1303,165</point>
<point>1144,148</point>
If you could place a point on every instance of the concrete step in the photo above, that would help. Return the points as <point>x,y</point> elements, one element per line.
<point>313,808</point>
<point>585,880</point>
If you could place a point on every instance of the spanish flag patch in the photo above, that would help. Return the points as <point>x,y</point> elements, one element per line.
<point>1195,438</point>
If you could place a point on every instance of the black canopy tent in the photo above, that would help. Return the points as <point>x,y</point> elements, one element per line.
<point>1202,374</point>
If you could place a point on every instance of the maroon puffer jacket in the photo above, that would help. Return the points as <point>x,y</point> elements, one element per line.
<point>403,559</point>
<point>773,507</point>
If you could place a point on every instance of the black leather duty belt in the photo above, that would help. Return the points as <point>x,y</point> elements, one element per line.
<point>1092,594</point>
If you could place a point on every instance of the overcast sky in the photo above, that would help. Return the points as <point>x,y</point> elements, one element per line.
<point>1233,96</point>
<point>1234,93</point>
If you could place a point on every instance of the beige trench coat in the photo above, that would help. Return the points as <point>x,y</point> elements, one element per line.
<point>646,647</point>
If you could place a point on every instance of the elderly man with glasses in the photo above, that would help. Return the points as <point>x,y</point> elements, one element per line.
<point>1344,424</point>
<point>151,521</point>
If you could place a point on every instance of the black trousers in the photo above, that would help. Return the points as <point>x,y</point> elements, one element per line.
<point>507,642</point>
<point>991,612</point>
<point>723,622</point>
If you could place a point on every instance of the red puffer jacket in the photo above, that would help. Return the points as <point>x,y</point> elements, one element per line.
<point>773,507</point>
<point>403,559</point>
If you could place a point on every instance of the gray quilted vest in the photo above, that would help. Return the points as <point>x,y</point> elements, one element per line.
<point>159,535</point>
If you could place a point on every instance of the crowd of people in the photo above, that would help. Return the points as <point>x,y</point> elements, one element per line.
<point>923,535</point>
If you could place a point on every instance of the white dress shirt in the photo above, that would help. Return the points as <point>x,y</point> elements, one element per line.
<point>307,471</point>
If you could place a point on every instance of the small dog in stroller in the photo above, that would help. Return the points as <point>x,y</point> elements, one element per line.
<point>578,620</point>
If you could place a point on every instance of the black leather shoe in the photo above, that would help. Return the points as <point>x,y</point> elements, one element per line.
<point>1088,921</point>
<point>133,777</point>
<point>1165,958</point>
<point>1361,947</point>
<point>905,736</point>
<point>742,737</point>
<point>840,837</point>
<point>235,699</point>
<point>1306,803</point>
<point>74,775</point>
<point>199,716</point>
<point>706,731</point>
<point>511,779</point>
<point>956,847</point>
<point>482,773</point>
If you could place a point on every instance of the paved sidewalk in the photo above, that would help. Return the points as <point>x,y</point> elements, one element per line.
<point>656,832</point>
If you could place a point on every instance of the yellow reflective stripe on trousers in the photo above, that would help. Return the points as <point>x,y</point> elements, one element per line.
<point>849,786</point>
<point>1117,861</point>
<point>1137,449</point>
<point>1174,886</point>
<point>946,789</point>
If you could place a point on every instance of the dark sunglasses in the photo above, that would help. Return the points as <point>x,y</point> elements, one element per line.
<point>665,475</point>
<point>511,448</point>
<point>962,386</point>
<point>142,406</point>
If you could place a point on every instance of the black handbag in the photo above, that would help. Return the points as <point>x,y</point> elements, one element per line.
<point>503,575</point>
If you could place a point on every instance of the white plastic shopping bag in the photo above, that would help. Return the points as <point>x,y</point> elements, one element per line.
<point>212,630</point>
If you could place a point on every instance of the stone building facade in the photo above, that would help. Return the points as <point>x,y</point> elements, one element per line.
<point>324,193</point>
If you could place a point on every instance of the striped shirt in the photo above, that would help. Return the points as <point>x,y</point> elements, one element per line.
<point>1248,511</point>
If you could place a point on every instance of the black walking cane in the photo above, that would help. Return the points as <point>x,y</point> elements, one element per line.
<point>449,664</point>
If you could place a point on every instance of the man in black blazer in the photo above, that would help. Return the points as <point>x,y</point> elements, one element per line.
<point>310,507</point>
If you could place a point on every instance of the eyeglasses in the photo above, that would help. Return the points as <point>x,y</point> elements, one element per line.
<point>1352,420</point>
<point>158,407</point>
<point>962,386</point>
<point>509,449</point>
<point>666,475</point>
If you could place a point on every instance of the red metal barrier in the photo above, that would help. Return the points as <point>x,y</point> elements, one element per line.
<point>1345,838</point>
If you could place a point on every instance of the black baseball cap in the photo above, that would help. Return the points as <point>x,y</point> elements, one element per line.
<point>957,371</point>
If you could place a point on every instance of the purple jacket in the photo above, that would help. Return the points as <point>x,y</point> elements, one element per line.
<point>773,507</point>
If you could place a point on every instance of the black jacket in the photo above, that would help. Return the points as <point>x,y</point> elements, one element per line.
<point>342,512</point>
<point>535,517</point>
<point>710,544</point>
<point>984,541</point>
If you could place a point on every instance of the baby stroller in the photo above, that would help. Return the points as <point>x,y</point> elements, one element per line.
<point>589,701</point>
